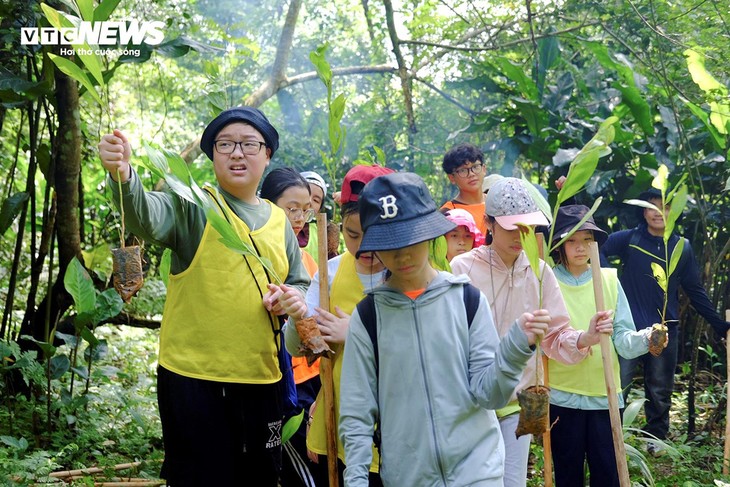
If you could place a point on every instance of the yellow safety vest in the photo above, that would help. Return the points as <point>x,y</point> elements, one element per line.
<point>214,325</point>
<point>586,378</point>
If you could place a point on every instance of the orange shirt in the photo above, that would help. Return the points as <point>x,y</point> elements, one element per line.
<point>477,211</point>
<point>414,294</point>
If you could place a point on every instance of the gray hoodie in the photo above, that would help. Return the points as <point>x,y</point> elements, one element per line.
<point>437,384</point>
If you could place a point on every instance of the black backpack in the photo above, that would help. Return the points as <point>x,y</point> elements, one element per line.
<point>366,310</point>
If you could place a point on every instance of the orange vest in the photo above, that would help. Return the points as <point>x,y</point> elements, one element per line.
<point>302,371</point>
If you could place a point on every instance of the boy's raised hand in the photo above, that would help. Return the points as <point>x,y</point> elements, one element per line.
<point>534,324</point>
<point>115,152</point>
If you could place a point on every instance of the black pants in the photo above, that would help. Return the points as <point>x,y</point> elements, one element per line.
<point>582,435</point>
<point>219,433</point>
<point>297,469</point>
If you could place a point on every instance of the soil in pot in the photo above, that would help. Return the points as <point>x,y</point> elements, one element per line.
<point>127,271</point>
<point>534,411</point>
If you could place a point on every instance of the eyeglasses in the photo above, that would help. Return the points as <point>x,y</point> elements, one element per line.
<point>463,172</point>
<point>248,147</point>
<point>298,213</point>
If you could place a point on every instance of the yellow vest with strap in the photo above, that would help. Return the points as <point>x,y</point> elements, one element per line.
<point>586,378</point>
<point>345,292</point>
<point>214,325</point>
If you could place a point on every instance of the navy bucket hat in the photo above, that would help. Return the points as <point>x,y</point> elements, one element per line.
<point>397,211</point>
<point>569,216</point>
<point>252,116</point>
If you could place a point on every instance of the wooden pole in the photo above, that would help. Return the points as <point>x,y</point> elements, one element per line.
<point>325,364</point>
<point>726,456</point>
<point>607,356</point>
<point>547,449</point>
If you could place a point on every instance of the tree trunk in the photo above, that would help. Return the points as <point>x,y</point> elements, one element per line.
<point>66,172</point>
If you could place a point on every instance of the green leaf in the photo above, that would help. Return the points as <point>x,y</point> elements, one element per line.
<point>165,263</point>
<point>108,305</point>
<point>676,255</point>
<point>59,365</point>
<point>549,50</point>
<point>70,69</point>
<point>535,116</point>
<point>317,57</point>
<point>581,170</point>
<point>93,64</point>
<point>639,107</point>
<point>700,75</point>
<point>10,210</point>
<point>48,349</point>
<point>89,336</point>
<point>70,340</point>
<point>677,201</point>
<point>530,246</point>
<point>105,9</point>
<point>86,9</point>
<point>632,411</point>
<point>659,275</point>
<point>82,372</point>
<point>79,285</point>
<point>291,426</point>
<point>586,161</point>
<point>97,352</point>
<point>717,139</point>
<point>660,180</point>
<point>55,17</point>
<point>516,73</point>
<point>380,155</point>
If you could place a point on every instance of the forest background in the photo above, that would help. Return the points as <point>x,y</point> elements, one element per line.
<point>529,82</point>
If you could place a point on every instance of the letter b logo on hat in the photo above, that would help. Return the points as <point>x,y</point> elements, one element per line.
<point>397,211</point>
<point>390,210</point>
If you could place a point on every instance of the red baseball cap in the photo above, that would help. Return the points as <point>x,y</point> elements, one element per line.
<point>360,175</point>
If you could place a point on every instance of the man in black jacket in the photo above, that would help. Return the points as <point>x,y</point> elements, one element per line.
<point>646,300</point>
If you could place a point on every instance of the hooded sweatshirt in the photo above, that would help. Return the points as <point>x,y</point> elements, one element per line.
<point>437,380</point>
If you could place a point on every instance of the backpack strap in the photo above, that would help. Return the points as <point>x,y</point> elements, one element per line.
<point>471,302</point>
<point>366,310</point>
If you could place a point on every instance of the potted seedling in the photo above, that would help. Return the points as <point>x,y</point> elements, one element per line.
<point>535,400</point>
<point>675,200</point>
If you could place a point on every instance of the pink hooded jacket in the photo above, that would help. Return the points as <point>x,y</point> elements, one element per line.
<point>511,292</point>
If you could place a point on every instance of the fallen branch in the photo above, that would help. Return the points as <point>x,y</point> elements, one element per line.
<point>92,470</point>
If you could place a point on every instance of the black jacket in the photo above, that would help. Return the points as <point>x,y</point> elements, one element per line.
<point>643,292</point>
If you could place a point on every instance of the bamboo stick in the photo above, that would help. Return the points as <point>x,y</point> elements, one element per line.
<point>607,356</point>
<point>726,456</point>
<point>325,364</point>
<point>92,470</point>
<point>547,449</point>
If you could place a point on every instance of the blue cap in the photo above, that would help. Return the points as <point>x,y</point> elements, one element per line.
<point>397,211</point>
